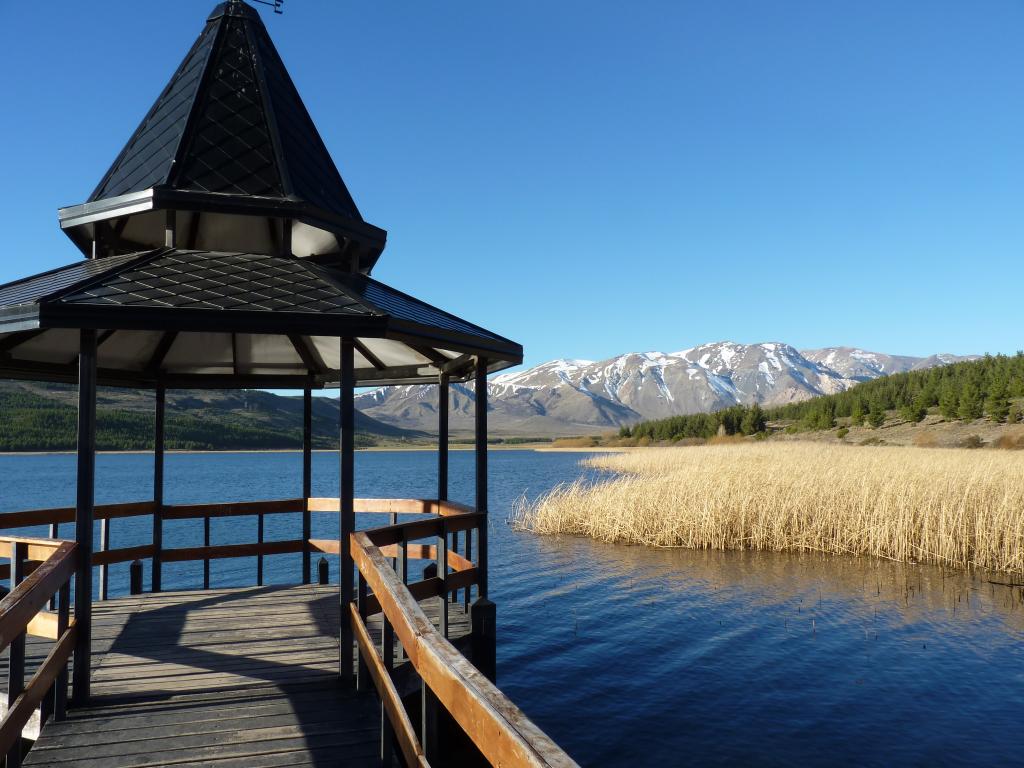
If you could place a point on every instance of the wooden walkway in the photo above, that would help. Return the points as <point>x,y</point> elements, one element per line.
<point>226,678</point>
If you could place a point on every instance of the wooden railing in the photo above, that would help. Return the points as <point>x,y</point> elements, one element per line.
<point>450,683</point>
<point>107,513</point>
<point>499,730</point>
<point>40,571</point>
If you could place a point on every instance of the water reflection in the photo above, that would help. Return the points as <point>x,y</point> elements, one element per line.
<point>765,658</point>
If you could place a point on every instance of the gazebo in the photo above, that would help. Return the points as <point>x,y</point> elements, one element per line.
<point>222,249</point>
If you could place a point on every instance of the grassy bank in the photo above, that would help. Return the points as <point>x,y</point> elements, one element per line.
<point>951,507</point>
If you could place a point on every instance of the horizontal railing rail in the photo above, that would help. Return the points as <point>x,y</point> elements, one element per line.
<point>500,731</point>
<point>106,555</point>
<point>22,612</point>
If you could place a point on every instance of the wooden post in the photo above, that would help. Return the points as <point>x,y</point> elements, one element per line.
<point>482,613</point>
<point>60,686</point>
<point>362,671</point>
<point>158,483</point>
<point>104,546</point>
<point>387,652</point>
<point>443,398</point>
<point>442,573</point>
<point>84,512</point>
<point>135,578</point>
<point>346,494</point>
<point>206,560</point>
<point>16,660</point>
<point>442,438</point>
<point>307,479</point>
<point>260,525</point>
<point>323,576</point>
<point>481,470</point>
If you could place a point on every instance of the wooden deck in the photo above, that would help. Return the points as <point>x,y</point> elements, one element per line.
<point>229,677</point>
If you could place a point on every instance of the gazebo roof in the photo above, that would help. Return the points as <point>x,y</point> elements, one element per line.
<point>204,238</point>
<point>209,318</point>
<point>228,137</point>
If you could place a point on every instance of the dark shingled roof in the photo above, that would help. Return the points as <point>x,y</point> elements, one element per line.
<point>176,279</point>
<point>231,121</point>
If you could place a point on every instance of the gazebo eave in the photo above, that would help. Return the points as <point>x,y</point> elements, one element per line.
<point>355,237</point>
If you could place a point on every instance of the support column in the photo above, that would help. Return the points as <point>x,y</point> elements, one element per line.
<point>483,612</point>
<point>481,467</point>
<point>307,479</point>
<point>346,494</point>
<point>442,437</point>
<point>158,483</point>
<point>84,511</point>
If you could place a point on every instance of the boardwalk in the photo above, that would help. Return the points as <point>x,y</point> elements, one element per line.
<point>230,677</point>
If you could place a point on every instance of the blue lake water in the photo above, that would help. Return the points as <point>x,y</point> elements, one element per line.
<point>629,656</point>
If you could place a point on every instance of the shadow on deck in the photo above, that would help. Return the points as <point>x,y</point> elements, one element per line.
<point>229,677</point>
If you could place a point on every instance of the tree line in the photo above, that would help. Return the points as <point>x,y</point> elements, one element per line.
<point>735,420</point>
<point>991,387</point>
<point>965,391</point>
<point>29,422</point>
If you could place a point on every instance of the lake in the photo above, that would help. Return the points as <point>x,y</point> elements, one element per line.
<point>629,656</point>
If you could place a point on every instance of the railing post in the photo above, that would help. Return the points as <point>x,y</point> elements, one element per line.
<point>84,512</point>
<point>468,593</point>
<point>206,560</point>
<point>135,577</point>
<point>307,478</point>
<point>483,641</point>
<point>442,573</point>
<point>362,672</point>
<point>259,557</point>
<point>60,688</point>
<point>16,660</point>
<point>321,570</point>
<point>403,568</point>
<point>54,534</point>
<point>346,507</point>
<point>104,546</point>
<point>387,652</point>
<point>429,722</point>
<point>158,483</point>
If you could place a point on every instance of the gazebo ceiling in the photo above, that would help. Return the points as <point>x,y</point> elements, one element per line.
<point>197,317</point>
<point>228,139</point>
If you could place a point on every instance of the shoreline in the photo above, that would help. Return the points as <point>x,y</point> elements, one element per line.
<point>372,449</point>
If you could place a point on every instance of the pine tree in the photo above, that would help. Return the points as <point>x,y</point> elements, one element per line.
<point>997,404</point>
<point>971,406</point>
<point>1015,414</point>
<point>913,413</point>
<point>949,402</point>
<point>876,414</point>
<point>856,412</point>
<point>753,420</point>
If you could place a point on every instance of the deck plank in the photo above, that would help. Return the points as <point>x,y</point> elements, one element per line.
<point>225,678</point>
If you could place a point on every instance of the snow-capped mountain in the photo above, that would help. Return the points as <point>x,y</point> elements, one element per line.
<point>575,396</point>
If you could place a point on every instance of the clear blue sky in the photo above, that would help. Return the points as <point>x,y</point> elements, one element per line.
<point>591,178</point>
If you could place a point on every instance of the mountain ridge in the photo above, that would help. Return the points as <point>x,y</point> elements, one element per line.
<point>575,396</point>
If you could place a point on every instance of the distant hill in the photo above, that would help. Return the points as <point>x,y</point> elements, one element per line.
<point>43,417</point>
<point>578,397</point>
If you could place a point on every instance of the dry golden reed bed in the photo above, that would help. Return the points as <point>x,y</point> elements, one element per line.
<point>952,507</point>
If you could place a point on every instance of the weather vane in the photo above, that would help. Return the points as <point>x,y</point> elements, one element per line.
<point>275,4</point>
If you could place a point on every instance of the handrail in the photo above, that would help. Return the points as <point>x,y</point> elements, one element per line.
<point>499,729</point>
<point>21,613</point>
<point>105,556</point>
